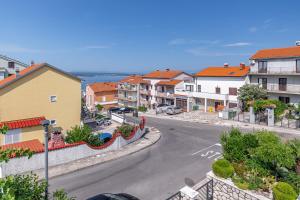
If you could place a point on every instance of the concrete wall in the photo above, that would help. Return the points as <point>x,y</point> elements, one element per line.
<point>4,64</point>
<point>277,65</point>
<point>30,97</point>
<point>67,154</point>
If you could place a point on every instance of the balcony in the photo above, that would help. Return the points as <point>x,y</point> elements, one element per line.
<point>206,95</point>
<point>128,98</point>
<point>167,94</point>
<point>144,102</point>
<point>290,70</point>
<point>127,88</point>
<point>145,92</point>
<point>282,88</point>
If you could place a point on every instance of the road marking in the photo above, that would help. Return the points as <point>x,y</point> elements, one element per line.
<point>217,144</point>
<point>215,154</point>
<point>217,158</point>
<point>206,154</point>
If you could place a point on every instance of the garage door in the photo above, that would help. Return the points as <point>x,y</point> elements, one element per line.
<point>182,103</point>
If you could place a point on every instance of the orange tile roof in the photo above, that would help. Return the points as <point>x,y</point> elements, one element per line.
<point>171,82</point>
<point>23,123</point>
<point>287,52</point>
<point>224,71</point>
<point>103,86</point>
<point>29,70</point>
<point>134,79</point>
<point>33,145</point>
<point>165,74</point>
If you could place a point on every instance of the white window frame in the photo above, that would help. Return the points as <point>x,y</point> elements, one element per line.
<point>53,122</point>
<point>55,98</point>
<point>12,136</point>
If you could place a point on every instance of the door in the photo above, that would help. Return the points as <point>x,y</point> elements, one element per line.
<point>182,103</point>
<point>216,105</point>
<point>282,84</point>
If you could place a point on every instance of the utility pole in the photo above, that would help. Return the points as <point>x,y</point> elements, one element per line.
<point>45,124</point>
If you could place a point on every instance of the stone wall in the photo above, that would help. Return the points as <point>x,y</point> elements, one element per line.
<point>225,190</point>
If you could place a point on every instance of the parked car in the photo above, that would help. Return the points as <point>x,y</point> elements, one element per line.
<point>125,110</point>
<point>105,121</point>
<point>160,108</point>
<point>105,137</point>
<point>114,109</point>
<point>174,110</point>
<point>108,196</point>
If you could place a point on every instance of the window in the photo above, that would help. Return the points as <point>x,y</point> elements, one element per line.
<point>52,122</point>
<point>199,88</point>
<point>11,65</point>
<point>263,82</point>
<point>218,90</point>
<point>233,91</point>
<point>189,88</point>
<point>104,98</point>
<point>262,67</point>
<point>12,136</point>
<point>282,84</point>
<point>53,98</point>
<point>297,66</point>
<point>285,100</point>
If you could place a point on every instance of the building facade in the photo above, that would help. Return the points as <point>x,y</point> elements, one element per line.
<point>38,92</point>
<point>214,88</point>
<point>102,93</point>
<point>278,71</point>
<point>9,66</point>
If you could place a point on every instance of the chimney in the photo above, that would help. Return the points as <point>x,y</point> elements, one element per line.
<point>32,62</point>
<point>17,72</point>
<point>226,65</point>
<point>298,43</point>
<point>242,66</point>
<point>167,69</point>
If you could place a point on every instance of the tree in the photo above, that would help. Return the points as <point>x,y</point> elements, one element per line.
<point>248,93</point>
<point>99,107</point>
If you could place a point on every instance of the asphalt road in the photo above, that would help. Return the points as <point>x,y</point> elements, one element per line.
<point>181,157</point>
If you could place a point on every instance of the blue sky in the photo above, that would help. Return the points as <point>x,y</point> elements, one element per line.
<point>140,35</point>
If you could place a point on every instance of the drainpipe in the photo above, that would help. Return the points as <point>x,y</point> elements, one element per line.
<point>45,124</point>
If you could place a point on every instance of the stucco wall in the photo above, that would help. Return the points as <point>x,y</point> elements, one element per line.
<point>277,65</point>
<point>64,155</point>
<point>30,97</point>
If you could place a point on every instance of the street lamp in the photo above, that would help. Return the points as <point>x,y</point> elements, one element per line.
<point>45,124</point>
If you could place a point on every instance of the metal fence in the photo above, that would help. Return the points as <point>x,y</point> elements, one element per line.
<point>206,192</point>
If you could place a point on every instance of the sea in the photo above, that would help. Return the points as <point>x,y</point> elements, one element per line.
<point>92,77</point>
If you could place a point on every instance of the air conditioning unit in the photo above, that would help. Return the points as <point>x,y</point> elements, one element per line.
<point>298,43</point>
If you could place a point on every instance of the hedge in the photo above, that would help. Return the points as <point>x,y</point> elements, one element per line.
<point>223,168</point>
<point>284,191</point>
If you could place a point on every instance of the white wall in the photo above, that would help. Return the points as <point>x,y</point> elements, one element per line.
<point>277,65</point>
<point>4,63</point>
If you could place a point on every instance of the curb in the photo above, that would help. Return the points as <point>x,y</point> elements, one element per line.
<point>40,172</point>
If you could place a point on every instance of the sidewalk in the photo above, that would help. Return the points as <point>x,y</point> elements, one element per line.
<point>147,140</point>
<point>213,119</point>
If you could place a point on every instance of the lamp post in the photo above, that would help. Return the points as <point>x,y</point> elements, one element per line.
<point>45,124</point>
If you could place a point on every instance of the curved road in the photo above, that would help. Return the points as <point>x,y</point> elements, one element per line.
<point>182,156</point>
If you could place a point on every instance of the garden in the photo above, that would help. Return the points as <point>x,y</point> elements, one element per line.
<point>262,162</point>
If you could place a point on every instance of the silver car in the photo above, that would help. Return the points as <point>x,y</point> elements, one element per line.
<point>174,110</point>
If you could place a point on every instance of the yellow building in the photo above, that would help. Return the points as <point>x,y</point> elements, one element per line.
<point>38,92</point>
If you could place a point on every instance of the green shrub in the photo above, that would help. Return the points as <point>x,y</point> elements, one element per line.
<point>284,191</point>
<point>78,134</point>
<point>61,195</point>
<point>142,108</point>
<point>294,180</point>
<point>99,107</point>
<point>94,140</point>
<point>125,129</point>
<point>240,169</point>
<point>255,182</point>
<point>261,105</point>
<point>240,182</point>
<point>223,168</point>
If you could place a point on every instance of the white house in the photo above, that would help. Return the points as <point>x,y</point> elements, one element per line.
<point>214,88</point>
<point>278,71</point>
<point>163,84</point>
<point>8,66</point>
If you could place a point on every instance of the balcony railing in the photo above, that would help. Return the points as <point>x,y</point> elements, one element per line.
<point>129,98</point>
<point>146,92</point>
<point>127,88</point>
<point>282,88</point>
<point>291,70</point>
<point>165,94</point>
<point>145,102</point>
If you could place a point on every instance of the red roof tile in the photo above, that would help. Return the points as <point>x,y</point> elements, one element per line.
<point>22,123</point>
<point>33,145</point>
<point>134,79</point>
<point>103,86</point>
<point>224,71</point>
<point>165,74</point>
<point>171,82</point>
<point>287,52</point>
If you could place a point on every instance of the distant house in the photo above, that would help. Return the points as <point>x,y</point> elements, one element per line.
<point>9,66</point>
<point>214,88</point>
<point>103,93</point>
<point>38,92</point>
<point>278,71</point>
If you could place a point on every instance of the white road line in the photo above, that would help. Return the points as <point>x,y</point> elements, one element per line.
<point>206,154</point>
<point>217,144</point>
<point>215,154</point>
<point>218,157</point>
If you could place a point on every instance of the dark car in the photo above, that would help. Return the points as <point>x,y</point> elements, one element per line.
<point>108,196</point>
<point>125,110</point>
<point>114,109</point>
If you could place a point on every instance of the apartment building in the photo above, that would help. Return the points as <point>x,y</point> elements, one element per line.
<point>102,93</point>
<point>213,88</point>
<point>9,66</point>
<point>163,84</point>
<point>278,71</point>
<point>38,92</point>
<point>133,91</point>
